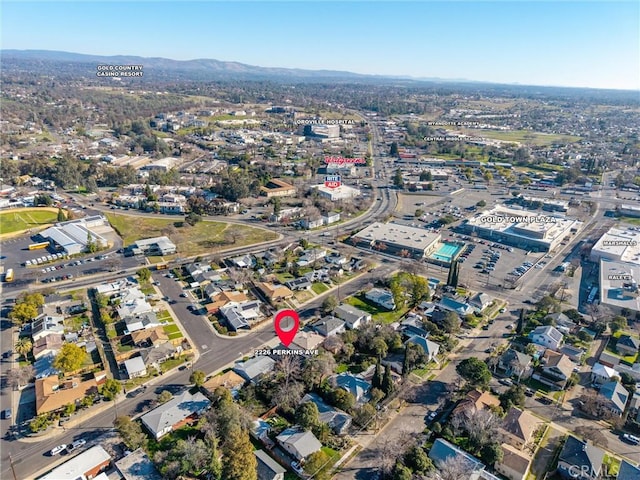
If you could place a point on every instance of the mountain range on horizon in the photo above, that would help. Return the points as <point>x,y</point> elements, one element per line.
<point>203,69</point>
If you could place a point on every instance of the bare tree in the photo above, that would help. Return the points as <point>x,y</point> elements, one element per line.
<point>452,468</point>
<point>17,377</point>
<point>481,425</point>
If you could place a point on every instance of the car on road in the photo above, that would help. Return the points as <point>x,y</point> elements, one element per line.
<point>627,437</point>
<point>183,295</point>
<point>136,392</point>
<point>505,381</point>
<point>75,445</point>
<point>7,354</point>
<point>502,310</point>
<point>56,450</point>
<point>529,392</point>
<point>6,413</point>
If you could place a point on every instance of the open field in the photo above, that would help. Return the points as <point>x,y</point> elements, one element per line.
<point>204,237</point>
<point>520,136</point>
<point>21,219</point>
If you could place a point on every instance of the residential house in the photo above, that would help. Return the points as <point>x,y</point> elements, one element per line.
<point>43,367</point>
<point>180,410</point>
<point>353,317</point>
<point>556,369</point>
<point>627,345</point>
<point>88,464</point>
<point>412,325</point>
<point>601,373</point>
<point>480,301</point>
<point>135,367</point>
<point>268,468</point>
<point>442,450</point>
<point>561,321</point>
<point>336,258</point>
<point>575,354</point>
<point>430,348</point>
<point>53,393</point>
<point>337,420</point>
<point>617,396</point>
<point>155,355</point>
<point>547,336</point>
<point>513,362</point>
<point>244,261</point>
<point>298,443</point>
<point>580,460</point>
<point>297,284</point>
<point>48,345</point>
<point>450,304</point>
<point>307,340</point>
<point>238,315</point>
<point>628,471</point>
<point>142,321</point>
<point>44,325</point>
<point>381,297</point>
<point>220,298</point>
<point>354,384</point>
<point>132,303</point>
<point>274,293</point>
<point>475,401</point>
<point>149,337</point>
<point>518,427</point>
<point>254,368</point>
<point>137,466</point>
<point>328,326</point>
<point>311,256</point>
<point>320,275</point>
<point>515,464</point>
<point>229,380</point>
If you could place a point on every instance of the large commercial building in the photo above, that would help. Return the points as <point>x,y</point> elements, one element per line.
<point>278,188</point>
<point>343,192</point>
<point>619,244</point>
<point>619,285</point>
<point>540,232</point>
<point>73,236</point>
<point>397,239</point>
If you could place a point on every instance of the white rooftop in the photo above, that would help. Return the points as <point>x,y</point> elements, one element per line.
<point>621,244</point>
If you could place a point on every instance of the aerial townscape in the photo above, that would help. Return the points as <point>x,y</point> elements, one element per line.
<point>461,261</point>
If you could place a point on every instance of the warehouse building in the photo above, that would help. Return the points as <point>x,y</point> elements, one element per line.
<point>397,239</point>
<point>539,232</point>
<point>619,285</point>
<point>619,244</point>
<point>73,236</point>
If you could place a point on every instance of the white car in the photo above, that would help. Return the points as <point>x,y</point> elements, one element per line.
<point>297,467</point>
<point>631,439</point>
<point>56,450</point>
<point>78,443</point>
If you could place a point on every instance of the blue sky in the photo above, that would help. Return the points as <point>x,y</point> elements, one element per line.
<point>566,43</point>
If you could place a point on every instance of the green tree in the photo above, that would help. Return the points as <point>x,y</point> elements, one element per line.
<point>512,397</point>
<point>164,396</point>
<point>329,304</point>
<point>400,472</point>
<point>215,465</point>
<point>23,346</point>
<point>481,204</point>
<point>23,312</point>
<point>111,388</point>
<point>426,176</point>
<point>376,381</point>
<point>130,432</point>
<point>61,217</point>
<point>197,378</point>
<point>393,151</point>
<point>342,399</point>
<point>363,415</point>
<point>417,460</point>
<point>144,274</point>
<point>277,205</point>
<point>307,415</point>
<point>419,290</point>
<point>238,461</point>
<point>387,381</point>
<point>315,465</point>
<point>474,371</point>
<point>69,408</point>
<point>70,357</point>
<point>192,218</point>
<point>398,181</point>
<point>451,322</point>
<point>492,453</point>
<point>618,323</point>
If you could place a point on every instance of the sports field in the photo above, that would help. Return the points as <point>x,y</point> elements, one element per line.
<point>26,218</point>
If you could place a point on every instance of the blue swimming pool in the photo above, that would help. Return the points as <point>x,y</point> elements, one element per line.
<point>447,252</point>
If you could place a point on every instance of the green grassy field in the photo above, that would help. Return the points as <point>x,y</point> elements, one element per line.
<point>378,314</point>
<point>202,238</point>
<point>24,219</point>
<point>520,136</point>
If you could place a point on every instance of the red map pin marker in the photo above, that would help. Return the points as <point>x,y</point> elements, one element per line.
<point>286,323</point>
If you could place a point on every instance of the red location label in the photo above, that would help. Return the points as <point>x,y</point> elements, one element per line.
<point>286,323</point>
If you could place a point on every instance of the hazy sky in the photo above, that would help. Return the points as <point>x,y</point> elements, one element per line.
<point>567,43</point>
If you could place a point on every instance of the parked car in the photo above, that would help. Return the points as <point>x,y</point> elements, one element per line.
<point>75,445</point>
<point>297,467</point>
<point>631,439</point>
<point>56,450</point>
<point>7,413</point>
<point>432,416</point>
<point>506,381</point>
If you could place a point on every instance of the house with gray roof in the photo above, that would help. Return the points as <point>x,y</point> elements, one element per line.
<point>430,348</point>
<point>617,396</point>
<point>513,362</point>
<point>480,300</point>
<point>135,367</point>
<point>547,336</point>
<point>137,466</point>
<point>381,297</point>
<point>328,326</point>
<point>337,420</point>
<point>628,471</point>
<point>254,368</point>
<point>268,468</point>
<point>354,384</point>
<point>627,345</point>
<point>298,443</point>
<point>297,284</point>
<point>580,460</point>
<point>442,450</point>
<point>178,411</point>
<point>353,317</point>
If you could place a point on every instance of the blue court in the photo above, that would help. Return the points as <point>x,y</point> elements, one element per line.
<point>447,252</point>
